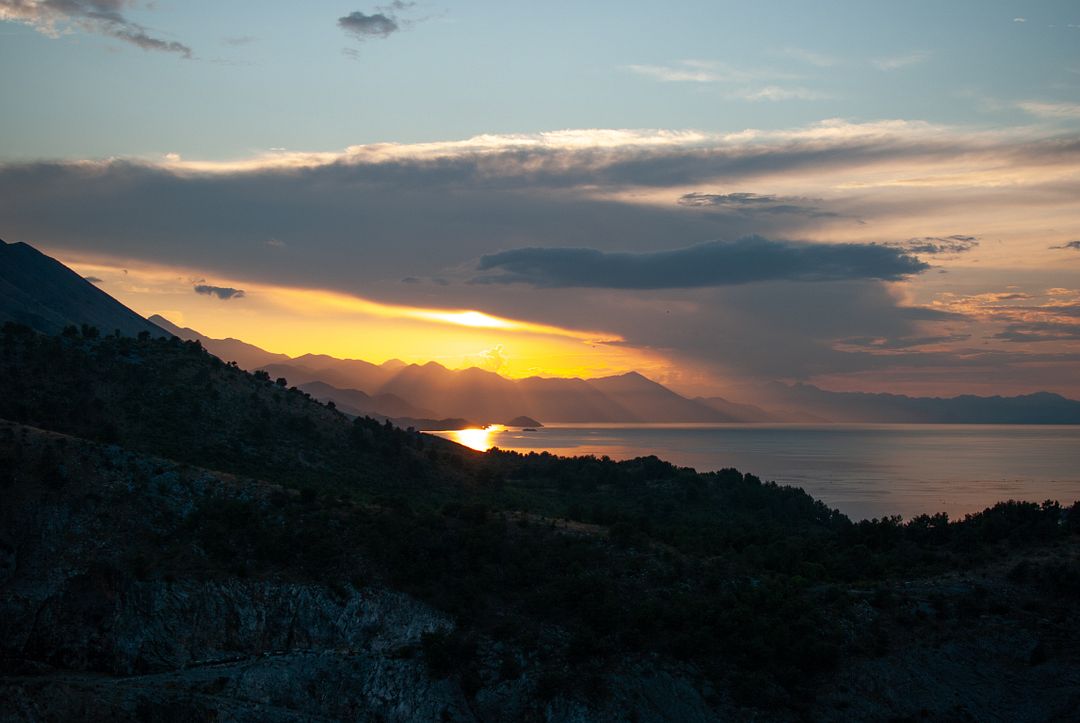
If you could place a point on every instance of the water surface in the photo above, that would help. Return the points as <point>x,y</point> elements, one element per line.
<point>864,470</point>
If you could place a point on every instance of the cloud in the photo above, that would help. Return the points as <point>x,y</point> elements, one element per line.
<point>716,263</point>
<point>1040,331</point>
<point>569,156</point>
<point>1019,20</point>
<point>707,71</point>
<point>1074,245</point>
<point>775,329</point>
<point>357,211</point>
<point>492,359</point>
<point>692,71</point>
<point>777,93</point>
<point>104,17</point>
<point>238,40</point>
<point>936,245</point>
<point>752,203</point>
<point>891,344</point>
<point>1058,111</point>
<point>222,292</point>
<point>376,25</point>
<point>93,279</point>
<point>380,24</point>
<point>897,62</point>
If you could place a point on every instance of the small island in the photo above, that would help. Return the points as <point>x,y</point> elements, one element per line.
<point>524,422</point>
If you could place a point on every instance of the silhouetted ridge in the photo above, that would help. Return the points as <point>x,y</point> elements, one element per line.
<point>247,356</point>
<point>47,296</point>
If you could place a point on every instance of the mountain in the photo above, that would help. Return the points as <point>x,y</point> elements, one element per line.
<point>360,404</point>
<point>472,393</point>
<point>648,401</point>
<point>737,411</point>
<point>468,393</point>
<point>524,422</point>
<point>487,397</point>
<point>1037,408</point>
<point>351,373</point>
<point>42,293</point>
<point>248,356</point>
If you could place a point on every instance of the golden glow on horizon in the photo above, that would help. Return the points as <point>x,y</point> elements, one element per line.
<point>297,321</point>
<point>317,301</point>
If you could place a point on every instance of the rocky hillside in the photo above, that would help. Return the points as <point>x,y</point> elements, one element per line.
<point>42,293</point>
<point>182,540</point>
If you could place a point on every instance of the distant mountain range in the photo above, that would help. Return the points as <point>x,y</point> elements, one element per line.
<point>480,395</point>
<point>42,293</point>
<point>431,391</point>
<point>360,404</point>
<point>1038,408</point>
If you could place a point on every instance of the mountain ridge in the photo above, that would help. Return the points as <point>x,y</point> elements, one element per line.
<point>473,393</point>
<point>1035,408</point>
<point>631,397</point>
<point>44,294</point>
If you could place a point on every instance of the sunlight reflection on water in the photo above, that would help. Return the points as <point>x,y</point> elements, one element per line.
<point>478,439</point>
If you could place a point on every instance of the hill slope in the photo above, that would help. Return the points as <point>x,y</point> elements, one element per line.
<point>248,356</point>
<point>47,296</point>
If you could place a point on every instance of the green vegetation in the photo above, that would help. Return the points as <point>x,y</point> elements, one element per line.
<point>581,560</point>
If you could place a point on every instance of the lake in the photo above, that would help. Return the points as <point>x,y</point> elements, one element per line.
<point>864,470</point>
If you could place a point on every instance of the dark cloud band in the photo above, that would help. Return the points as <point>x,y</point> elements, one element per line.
<point>936,245</point>
<point>717,263</point>
<point>752,203</point>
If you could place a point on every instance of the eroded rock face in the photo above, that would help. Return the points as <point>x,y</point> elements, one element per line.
<point>284,646</point>
<point>102,641</point>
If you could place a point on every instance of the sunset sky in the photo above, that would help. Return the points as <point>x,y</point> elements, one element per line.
<point>881,197</point>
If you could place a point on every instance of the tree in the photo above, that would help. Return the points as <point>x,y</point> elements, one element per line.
<point>281,382</point>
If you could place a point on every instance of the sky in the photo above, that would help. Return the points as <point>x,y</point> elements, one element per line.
<point>864,196</point>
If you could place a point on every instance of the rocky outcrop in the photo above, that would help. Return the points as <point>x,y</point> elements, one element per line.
<point>275,651</point>
<point>80,632</point>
